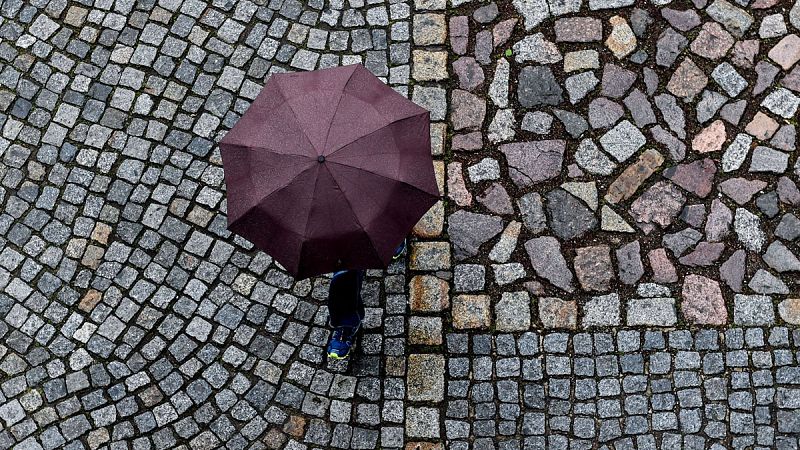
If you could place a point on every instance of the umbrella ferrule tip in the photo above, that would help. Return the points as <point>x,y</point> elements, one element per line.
<point>321,158</point>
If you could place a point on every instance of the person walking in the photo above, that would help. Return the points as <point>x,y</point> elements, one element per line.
<point>346,309</point>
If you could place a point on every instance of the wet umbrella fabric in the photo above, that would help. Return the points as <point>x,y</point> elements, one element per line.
<point>328,170</point>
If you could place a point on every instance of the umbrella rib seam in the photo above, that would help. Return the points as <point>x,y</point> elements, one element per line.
<point>372,243</point>
<point>341,96</point>
<point>373,132</point>
<point>270,195</point>
<point>382,176</point>
<point>296,119</point>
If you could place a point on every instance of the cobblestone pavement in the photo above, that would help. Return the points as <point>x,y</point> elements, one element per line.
<point>614,263</point>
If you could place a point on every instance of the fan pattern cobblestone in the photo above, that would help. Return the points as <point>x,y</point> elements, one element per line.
<point>614,262</point>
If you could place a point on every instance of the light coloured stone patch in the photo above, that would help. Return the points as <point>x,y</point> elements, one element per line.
<point>753,310</point>
<point>659,311</point>
<point>601,311</point>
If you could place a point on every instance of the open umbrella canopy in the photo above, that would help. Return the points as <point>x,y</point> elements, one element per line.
<point>328,170</point>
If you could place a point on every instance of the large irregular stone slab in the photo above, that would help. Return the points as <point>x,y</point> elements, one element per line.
<point>719,221</point>
<point>603,112</point>
<point>498,89</point>
<point>786,52</point>
<point>531,208</point>
<point>456,187</point>
<point>579,85</point>
<point>732,271</point>
<point>736,152</point>
<point>734,19</point>
<point>766,159</point>
<point>663,269</point>
<point>669,46</point>
<point>591,159</point>
<point>496,199</point>
<point>616,80</point>
<point>672,113</point>
<point>584,190</point>
<point>535,48</point>
<point>629,263</point>
<point>712,42</point>
<point>593,267</point>
<point>532,162</point>
<point>748,228</point>
<point>788,228</point>
<point>782,102</point>
<point>548,262</point>
<point>703,255</point>
<point>729,79</point>
<point>502,251</point>
<point>621,41</point>
<point>741,190</point>
<point>763,282</point>
<point>696,177</point>
<point>532,11</point>
<point>681,241</point>
<point>467,110</point>
<point>611,221</point>
<point>569,217</point>
<point>629,181</point>
<point>502,128</point>
<point>677,149</point>
<point>709,105</point>
<point>683,20</point>
<point>711,138</point>
<point>538,86</point>
<point>687,81</point>
<point>469,72</point>
<point>788,192</point>
<point>501,32</point>
<point>640,108</point>
<point>623,140</point>
<point>780,258</point>
<point>574,124</point>
<point>468,231</point>
<point>703,303</point>
<point>659,204</point>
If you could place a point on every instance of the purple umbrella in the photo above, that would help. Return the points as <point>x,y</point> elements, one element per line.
<point>328,170</point>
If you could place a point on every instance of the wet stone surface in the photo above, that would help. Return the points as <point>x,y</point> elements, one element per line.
<point>614,262</point>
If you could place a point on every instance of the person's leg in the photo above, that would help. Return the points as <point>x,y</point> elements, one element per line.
<point>344,299</point>
<point>346,312</point>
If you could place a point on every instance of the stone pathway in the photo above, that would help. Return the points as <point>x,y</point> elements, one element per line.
<point>614,263</point>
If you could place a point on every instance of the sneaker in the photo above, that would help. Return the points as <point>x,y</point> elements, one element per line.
<point>342,342</point>
<point>399,250</point>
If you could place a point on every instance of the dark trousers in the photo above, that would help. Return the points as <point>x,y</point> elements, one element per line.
<point>345,305</point>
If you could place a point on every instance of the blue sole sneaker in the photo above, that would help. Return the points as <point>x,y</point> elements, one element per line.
<point>399,250</point>
<point>342,342</point>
